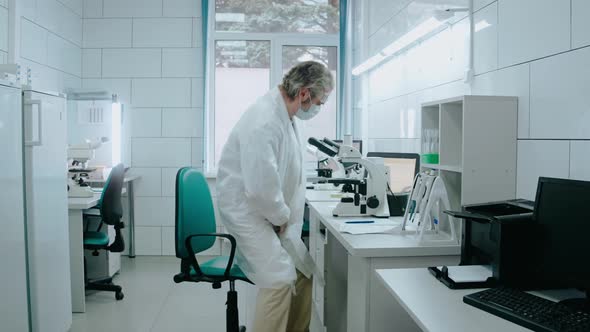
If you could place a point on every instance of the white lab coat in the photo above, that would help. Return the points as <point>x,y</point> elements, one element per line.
<point>261,183</point>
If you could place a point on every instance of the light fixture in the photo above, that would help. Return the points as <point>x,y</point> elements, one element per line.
<point>419,32</point>
<point>116,131</point>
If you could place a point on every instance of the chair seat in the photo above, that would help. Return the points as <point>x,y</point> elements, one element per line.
<point>96,239</point>
<point>216,268</point>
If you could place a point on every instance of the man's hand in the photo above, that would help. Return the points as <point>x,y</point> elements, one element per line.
<point>280,229</point>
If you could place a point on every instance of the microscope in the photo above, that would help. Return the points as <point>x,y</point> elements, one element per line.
<point>78,171</point>
<point>369,190</point>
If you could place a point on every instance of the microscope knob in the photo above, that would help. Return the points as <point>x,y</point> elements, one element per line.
<point>373,202</point>
<point>347,188</point>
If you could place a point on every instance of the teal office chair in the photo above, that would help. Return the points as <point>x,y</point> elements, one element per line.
<point>195,232</point>
<point>111,212</point>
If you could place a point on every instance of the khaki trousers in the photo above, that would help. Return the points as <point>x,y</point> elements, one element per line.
<point>278,310</point>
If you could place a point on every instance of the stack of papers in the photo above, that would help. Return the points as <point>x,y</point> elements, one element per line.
<point>469,273</point>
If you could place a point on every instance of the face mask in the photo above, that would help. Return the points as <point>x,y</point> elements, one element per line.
<point>310,113</point>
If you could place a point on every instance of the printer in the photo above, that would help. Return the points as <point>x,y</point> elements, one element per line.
<point>498,234</point>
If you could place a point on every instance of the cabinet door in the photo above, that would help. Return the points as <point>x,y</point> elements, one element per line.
<point>13,280</point>
<point>47,212</point>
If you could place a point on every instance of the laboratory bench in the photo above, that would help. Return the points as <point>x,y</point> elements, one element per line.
<point>432,306</point>
<point>346,294</point>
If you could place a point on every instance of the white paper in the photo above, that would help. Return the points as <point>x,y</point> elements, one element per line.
<point>384,227</point>
<point>469,273</point>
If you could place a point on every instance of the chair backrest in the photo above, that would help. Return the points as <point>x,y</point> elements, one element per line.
<point>111,209</point>
<point>194,211</point>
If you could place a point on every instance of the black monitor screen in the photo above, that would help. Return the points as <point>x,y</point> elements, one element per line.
<point>562,212</point>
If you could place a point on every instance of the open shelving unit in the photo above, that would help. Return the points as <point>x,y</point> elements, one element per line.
<point>477,147</point>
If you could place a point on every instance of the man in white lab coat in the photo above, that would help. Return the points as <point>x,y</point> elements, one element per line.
<point>261,196</point>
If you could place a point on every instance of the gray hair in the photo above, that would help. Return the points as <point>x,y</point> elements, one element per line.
<point>309,74</point>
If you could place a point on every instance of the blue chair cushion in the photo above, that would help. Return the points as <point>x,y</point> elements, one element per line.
<point>96,239</point>
<point>216,268</point>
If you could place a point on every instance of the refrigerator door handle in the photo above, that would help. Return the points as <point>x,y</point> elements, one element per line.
<point>39,141</point>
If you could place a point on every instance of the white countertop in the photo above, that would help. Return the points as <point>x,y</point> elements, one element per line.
<point>82,203</point>
<point>378,245</point>
<point>437,308</point>
<point>126,179</point>
<point>312,195</point>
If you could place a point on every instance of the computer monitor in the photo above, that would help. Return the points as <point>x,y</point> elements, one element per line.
<point>563,233</point>
<point>403,167</point>
<point>356,143</point>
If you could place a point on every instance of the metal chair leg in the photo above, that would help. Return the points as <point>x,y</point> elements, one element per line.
<point>232,318</point>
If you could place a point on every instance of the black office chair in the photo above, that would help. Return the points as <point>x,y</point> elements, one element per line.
<point>111,212</point>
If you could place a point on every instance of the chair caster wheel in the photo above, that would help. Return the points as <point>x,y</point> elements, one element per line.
<point>242,329</point>
<point>119,296</point>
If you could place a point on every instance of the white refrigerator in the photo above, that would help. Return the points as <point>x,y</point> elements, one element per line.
<point>46,202</point>
<point>14,307</point>
<point>34,253</point>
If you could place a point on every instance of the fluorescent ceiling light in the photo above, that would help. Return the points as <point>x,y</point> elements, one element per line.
<point>116,133</point>
<point>413,35</point>
<point>370,63</point>
<point>418,32</point>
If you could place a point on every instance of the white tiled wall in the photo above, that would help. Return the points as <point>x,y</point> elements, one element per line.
<point>559,96</point>
<point>535,50</point>
<point>540,158</point>
<point>50,41</point>
<point>132,62</point>
<point>161,152</point>
<point>546,31</point>
<point>180,122</point>
<point>154,211</point>
<point>148,240</point>
<point>579,160</point>
<point>132,8</point>
<point>162,92</point>
<point>4,29</point>
<point>149,51</point>
<point>105,33</point>
<point>162,32</point>
<point>580,23</point>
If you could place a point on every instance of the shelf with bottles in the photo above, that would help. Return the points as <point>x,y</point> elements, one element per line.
<point>430,135</point>
<point>474,138</point>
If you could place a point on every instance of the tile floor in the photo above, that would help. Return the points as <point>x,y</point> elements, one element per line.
<point>154,303</point>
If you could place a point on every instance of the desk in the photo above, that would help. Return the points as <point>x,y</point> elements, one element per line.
<point>346,294</point>
<point>128,181</point>
<point>435,307</point>
<point>76,207</point>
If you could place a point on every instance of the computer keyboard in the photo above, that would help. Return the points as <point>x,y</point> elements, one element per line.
<point>530,311</point>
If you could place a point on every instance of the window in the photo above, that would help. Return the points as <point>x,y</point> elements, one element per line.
<point>253,43</point>
<point>303,16</point>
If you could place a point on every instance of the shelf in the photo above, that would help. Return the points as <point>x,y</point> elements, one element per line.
<point>457,169</point>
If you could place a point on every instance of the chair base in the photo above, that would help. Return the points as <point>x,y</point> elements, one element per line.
<point>105,285</point>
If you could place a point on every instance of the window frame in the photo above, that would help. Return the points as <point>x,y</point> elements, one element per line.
<point>277,41</point>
